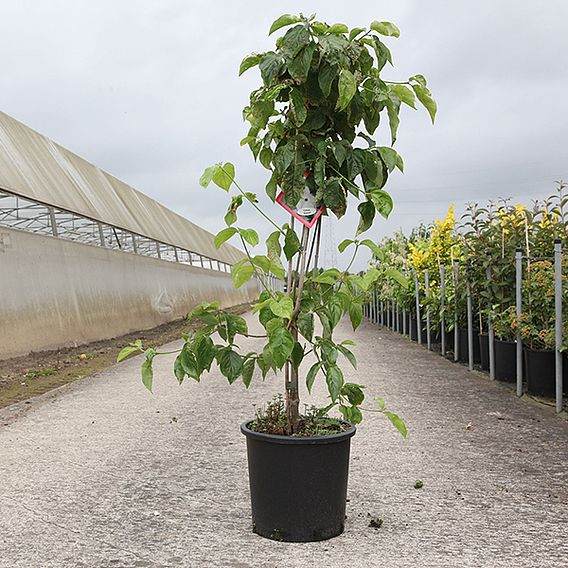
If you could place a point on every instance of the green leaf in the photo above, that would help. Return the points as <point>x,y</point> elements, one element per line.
<point>334,197</point>
<point>344,244</point>
<point>397,422</point>
<point>284,156</point>
<point>273,248</point>
<point>397,276</point>
<point>248,369</point>
<point>299,111</point>
<point>338,29</point>
<point>271,187</point>
<point>270,66</point>
<point>268,266</point>
<point>311,376</point>
<point>265,157</point>
<point>355,32</point>
<point>242,273</point>
<point>224,175</point>
<point>334,379</point>
<point>204,351</point>
<point>329,276</point>
<point>347,89</point>
<point>354,393</point>
<point>291,243</point>
<point>248,62</point>
<point>127,351</point>
<point>264,362</point>
<point>294,40</point>
<point>335,310</point>
<point>367,212</point>
<point>281,344</point>
<point>327,73</point>
<point>283,308</point>
<point>188,362</point>
<point>391,158</point>
<point>355,314</point>
<point>393,108</point>
<point>382,202</point>
<point>223,236</point>
<point>326,327</point>
<point>350,357</point>
<point>328,352</point>
<point>369,277</point>
<point>425,97</point>
<point>404,94</point>
<point>283,21</point>
<point>306,325</point>
<point>250,236</point>
<point>147,374</point>
<point>297,355</point>
<point>207,175</point>
<point>419,79</point>
<point>233,324</point>
<point>300,65</point>
<point>373,247</point>
<point>230,364</point>
<point>385,28</point>
<point>178,370</point>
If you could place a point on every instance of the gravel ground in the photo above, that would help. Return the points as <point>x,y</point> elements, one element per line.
<point>102,474</point>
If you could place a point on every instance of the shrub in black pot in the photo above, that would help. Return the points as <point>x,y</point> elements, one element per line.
<point>322,87</point>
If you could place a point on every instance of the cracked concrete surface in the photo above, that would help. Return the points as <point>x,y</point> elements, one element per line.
<point>102,474</point>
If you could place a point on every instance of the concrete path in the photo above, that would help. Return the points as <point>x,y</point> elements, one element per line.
<point>103,474</point>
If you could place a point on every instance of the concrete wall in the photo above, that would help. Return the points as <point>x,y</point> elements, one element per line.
<point>56,293</point>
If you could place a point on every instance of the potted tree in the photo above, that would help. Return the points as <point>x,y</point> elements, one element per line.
<point>312,122</point>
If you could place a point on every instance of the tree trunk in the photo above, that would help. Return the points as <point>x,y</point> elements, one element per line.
<point>291,374</point>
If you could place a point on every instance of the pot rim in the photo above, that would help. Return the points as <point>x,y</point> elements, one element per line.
<point>305,440</point>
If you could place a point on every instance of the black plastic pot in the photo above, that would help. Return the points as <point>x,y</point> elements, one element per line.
<point>484,350</point>
<point>463,354</point>
<point>505,361</point>
<point>298,485</point>
<point>540,369</point>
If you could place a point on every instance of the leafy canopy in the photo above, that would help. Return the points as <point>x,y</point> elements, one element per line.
<point>322,99</point>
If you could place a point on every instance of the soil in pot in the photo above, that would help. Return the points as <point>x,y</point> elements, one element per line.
<point>484,350</point>
<point>540,368</point>
<point>298,485</point>
<point>505,361</point>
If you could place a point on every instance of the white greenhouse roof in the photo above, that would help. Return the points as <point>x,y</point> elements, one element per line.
<point>35,167</point>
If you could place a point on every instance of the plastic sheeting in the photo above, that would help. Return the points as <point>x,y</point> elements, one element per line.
<point>33,166</point>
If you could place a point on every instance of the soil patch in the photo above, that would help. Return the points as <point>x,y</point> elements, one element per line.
<point>30,375</point>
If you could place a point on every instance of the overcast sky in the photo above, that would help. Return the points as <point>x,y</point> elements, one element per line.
<point>148,90</point>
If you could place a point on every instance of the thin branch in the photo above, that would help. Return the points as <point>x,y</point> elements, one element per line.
<point>251,201</point>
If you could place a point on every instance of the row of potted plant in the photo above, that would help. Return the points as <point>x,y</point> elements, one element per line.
<point>475,256</point>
